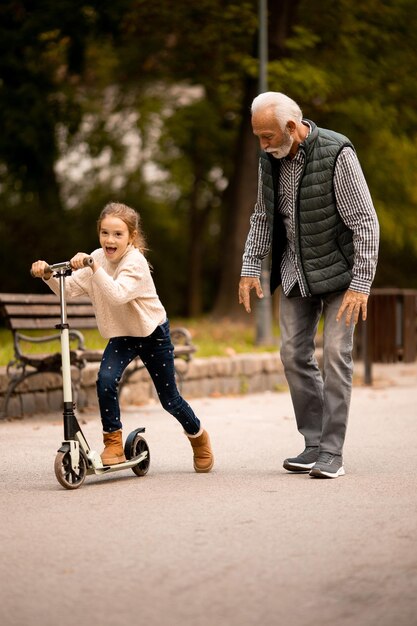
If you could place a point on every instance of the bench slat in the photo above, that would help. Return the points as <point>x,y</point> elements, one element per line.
<point>21,323</point>
<point>25,312</point>
<point>33,298</point>
<point>52,310</point>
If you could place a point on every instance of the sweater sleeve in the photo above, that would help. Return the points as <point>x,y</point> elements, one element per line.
<point>75,285</point>
<point>125,287</point>
<point>356,209</point>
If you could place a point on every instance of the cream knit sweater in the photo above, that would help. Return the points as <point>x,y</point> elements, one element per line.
<point>123,294</point>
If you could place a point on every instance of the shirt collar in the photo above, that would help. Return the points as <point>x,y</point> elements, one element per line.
<point>306,123</point>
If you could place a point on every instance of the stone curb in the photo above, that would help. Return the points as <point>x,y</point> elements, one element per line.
<point>204,377</point>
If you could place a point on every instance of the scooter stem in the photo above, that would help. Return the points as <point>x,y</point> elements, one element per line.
<point>65,343</point>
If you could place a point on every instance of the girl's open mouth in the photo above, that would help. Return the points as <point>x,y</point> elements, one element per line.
<point>110,250</point>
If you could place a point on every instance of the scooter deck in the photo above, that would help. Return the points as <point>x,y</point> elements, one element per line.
<point>107,469</point>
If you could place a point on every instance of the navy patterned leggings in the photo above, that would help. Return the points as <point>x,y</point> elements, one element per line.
<point>157,354</point>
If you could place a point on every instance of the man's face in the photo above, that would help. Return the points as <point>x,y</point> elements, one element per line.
<point>271,138</point>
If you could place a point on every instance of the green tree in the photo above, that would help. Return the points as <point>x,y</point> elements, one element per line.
<point>206,46</point>
<point>358,78</point>
<point>42,60</point>
<point>78,82</point>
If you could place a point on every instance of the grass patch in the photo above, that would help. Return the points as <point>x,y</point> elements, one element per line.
<point>222,338</point>
<point>92,338</point>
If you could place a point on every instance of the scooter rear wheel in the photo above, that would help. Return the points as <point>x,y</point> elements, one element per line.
<point>64,473</point>
<point>140,445</point>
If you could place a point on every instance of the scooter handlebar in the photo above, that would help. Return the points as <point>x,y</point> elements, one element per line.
<point>88,261</point>
<point>65,265</point>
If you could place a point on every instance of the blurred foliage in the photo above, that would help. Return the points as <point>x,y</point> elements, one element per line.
<point>210,339</point>
<point>135,101</point>
<point>369,55</point>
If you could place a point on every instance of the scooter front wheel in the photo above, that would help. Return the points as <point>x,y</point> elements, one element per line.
<point>65,474</point>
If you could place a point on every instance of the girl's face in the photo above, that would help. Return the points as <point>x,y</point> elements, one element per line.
<point>114,237</point>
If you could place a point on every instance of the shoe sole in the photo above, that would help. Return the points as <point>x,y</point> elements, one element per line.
<point>298,467</point>
<point>318,473</point>
<point>113,461</point>
<point>204,470</point>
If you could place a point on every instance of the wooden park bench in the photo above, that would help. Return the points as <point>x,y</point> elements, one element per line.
<point>29,312</point>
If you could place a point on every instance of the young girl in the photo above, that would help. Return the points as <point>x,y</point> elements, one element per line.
<point>130,314</point>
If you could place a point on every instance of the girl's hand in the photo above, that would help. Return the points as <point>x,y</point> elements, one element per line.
<point>77,261</point>
<point>39,269</point>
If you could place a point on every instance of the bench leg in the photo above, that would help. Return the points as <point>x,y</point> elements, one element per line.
<point>16,380</point>
<point>10,389</point>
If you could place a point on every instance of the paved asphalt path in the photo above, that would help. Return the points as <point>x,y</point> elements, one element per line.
<point>248,544</point>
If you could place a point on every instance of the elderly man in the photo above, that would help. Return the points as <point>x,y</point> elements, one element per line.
<point>315,215</point>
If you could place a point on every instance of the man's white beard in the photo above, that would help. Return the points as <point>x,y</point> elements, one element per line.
<point>284,148</point>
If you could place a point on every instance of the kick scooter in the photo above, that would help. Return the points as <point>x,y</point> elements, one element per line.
<point>75,459</point>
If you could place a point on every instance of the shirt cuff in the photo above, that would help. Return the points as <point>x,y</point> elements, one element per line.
<point>360,285</point>
<point>253,268</point>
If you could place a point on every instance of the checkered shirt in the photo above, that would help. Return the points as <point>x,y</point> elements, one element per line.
<point>355,207</point>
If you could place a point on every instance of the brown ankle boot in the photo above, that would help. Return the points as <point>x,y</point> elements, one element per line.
<point>113,452</point>
<point>203,455</point>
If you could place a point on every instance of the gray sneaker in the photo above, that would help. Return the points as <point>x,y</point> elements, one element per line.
<point>304,461</point>
<point>328,466</point>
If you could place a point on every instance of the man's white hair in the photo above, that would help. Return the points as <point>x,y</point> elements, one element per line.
<point>284,108</point>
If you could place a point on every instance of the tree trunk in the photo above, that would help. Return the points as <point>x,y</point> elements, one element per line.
<point>194,265</point>
<point>196,236</point>
<point>241,194</point>
<point>48,193</point>
<point>239,203</point>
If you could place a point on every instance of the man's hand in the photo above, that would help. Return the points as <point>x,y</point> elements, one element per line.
<point>353,302</point>
<point>246,284</point>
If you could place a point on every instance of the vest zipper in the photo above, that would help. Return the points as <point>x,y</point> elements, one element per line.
<point>297,232</point>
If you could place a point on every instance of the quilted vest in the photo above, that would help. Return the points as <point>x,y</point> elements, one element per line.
<point>323,243</point>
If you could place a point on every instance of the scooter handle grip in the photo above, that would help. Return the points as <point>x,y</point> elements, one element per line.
<point>88,262</point>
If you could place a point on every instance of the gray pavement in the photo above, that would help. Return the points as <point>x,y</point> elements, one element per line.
<point>248,544</point>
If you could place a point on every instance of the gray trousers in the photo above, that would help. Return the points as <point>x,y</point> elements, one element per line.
<point>321,400</point>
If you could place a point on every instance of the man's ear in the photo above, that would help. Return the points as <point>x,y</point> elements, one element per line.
<point>291,126</point>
